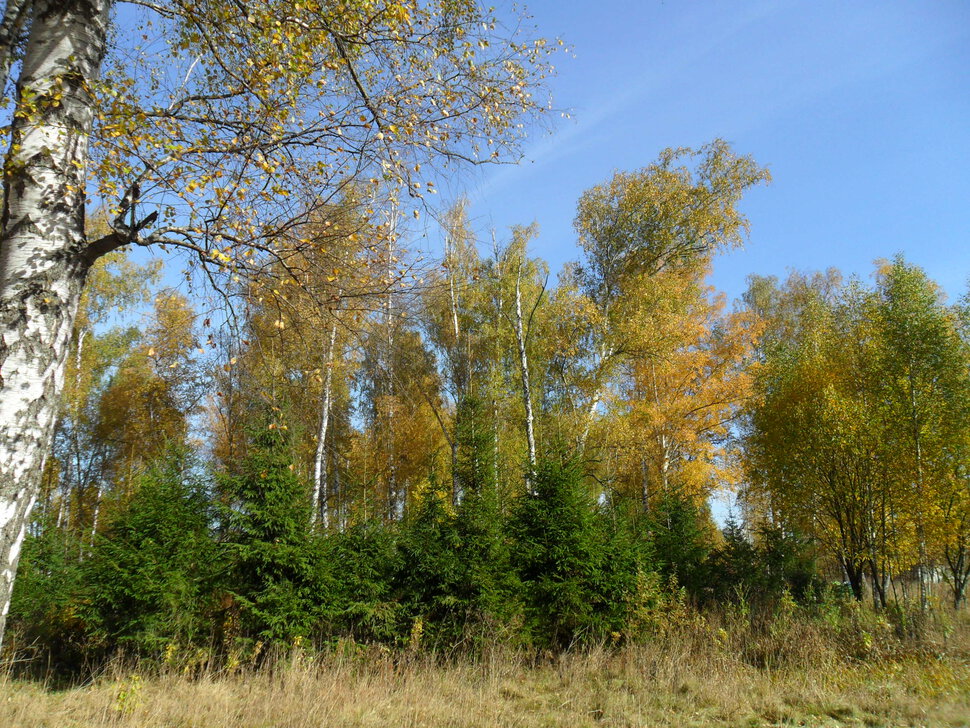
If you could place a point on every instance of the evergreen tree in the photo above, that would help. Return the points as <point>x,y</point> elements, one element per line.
<point>275,568</point>
<point>360,601</point>
<point>44,610</point>
<point>680,543</point>
<point>149,580</point>
<point>572,589</point>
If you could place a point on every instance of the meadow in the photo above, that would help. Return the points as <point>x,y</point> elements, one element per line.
<point>857,668</point>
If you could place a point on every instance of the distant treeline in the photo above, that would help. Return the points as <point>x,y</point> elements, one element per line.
<point>370,448</point>
<point>233,566</point>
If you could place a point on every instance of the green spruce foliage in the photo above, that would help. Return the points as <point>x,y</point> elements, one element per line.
<point>573,590</point>
<point>45,611</point>
<point>455,579</point>
<point>232,566</point>
<point>360,603</point>
<point>149,580</point>
<point>680,544</point>
<point>274,559</point>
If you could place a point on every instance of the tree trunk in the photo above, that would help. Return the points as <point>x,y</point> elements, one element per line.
<point>524,370</point>
<point>321,487</point>
<point>856,575</point>
<point>878,581</point>
<point>497,370</point>
<point>920,491</point>
<point>599,379</point>
<point>664,465</point>
<point>594,403</point>
<point>460,380</point>
<point>394,510</point>
<point>62,504</point>
<point>97,513</point>
<point>644,485</point>
<point>42,250</point>
<point>957,560</point>
<point>455,485</point>
<point>15,16</point>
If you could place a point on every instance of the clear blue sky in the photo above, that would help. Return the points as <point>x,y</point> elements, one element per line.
<point>860,109</point>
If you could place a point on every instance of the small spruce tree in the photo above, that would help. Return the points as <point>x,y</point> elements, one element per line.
<point>275,573</point>
<point>149,579</point>
<point>572,589</point>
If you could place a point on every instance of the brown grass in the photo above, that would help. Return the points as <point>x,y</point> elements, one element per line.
<point>724,672</point>
<point>641,686</point>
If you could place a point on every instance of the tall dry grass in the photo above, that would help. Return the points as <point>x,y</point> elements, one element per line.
<point>730,669</point>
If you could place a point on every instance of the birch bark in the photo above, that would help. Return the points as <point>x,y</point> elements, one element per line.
<point>395,504</point>
<point>524,367</point>
<point>460,374</point>
<point>321,486</point>
<point>43,260</point>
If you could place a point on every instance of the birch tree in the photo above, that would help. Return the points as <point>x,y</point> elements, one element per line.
<point>677,403</point>
<point>455,317</point>
<point>810,441</point>
<point>526,278</point>
<point>670,215</point>
<point>922,378</point>
<point>229,125</point>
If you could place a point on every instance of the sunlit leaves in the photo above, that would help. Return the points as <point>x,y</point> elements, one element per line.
<point>670,214</point>
<point>673,413</point>
<point>859,433</point>
<point>260,115</point>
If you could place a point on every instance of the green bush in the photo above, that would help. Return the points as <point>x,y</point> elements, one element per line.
<point>274,576</point>
<point>573,588</point>
<point>149,580</point>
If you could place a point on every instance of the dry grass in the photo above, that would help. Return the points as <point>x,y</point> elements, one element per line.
<point>696,680</point>
<point>853,667</point>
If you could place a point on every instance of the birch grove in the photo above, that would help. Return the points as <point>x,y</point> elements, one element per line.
<point>259,115</point>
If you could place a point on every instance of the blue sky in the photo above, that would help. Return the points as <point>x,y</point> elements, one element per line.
<point>861,110</point>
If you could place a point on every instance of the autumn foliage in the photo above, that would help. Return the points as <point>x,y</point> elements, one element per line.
<point>370,448</point>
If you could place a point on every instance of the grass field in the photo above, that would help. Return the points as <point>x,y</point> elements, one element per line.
<point>705,678</point>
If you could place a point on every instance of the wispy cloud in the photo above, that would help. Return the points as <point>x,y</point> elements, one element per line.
<point>629,88</point>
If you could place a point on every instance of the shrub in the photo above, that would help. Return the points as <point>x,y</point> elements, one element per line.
<point>573,589</point>
<point>150,576</point>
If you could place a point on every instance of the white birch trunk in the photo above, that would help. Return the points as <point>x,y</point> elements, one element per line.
<point>62,506</point>
<point>524,370</point>
<point>321,486</point>
<point>604,355</point>
<point>920,522</point>
<point>497,371</point>
<point>594,403</point>
<point>664,465</point>
<point>644,485</point>
<point>42,250</point>
<point>76,478</point>
<point>460,385</point>
<point>15,16</point>
<point>97,512</point>
<point>394,508</point>
<point>662,440</point>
